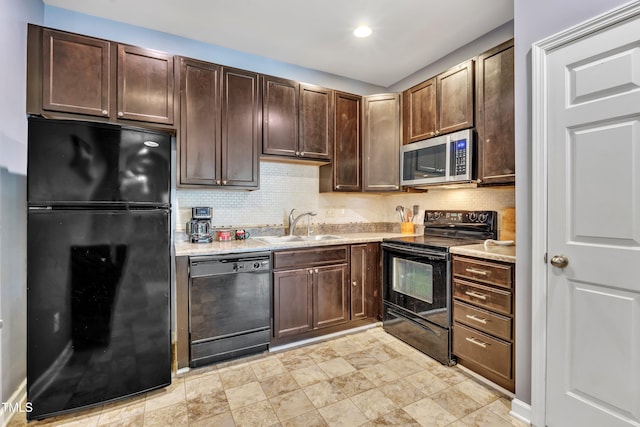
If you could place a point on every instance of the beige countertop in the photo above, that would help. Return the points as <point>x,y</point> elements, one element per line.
<point>186,248</point>
<point>491,252</point>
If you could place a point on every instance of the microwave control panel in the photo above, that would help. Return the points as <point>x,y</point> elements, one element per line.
<point>459,157</point>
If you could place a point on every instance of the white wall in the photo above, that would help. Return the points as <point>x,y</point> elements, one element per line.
<point>14,14</point>
<point>479,45</point>
<point>533,21</point>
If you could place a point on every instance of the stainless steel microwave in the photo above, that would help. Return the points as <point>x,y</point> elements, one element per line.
<point>440,160</point>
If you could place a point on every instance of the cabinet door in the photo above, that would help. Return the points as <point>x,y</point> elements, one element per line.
<point>455,98</point>
<point>145,85</point>
<point>240,128</point>
<point>373,284</point>
<point>75,73</point>
<point>292,302</point>
<point>359,281</point>
<point>199,143</point>
<point>381,143</point>
<point>280,117</point>
<point>346,167</point>
<point>419,111</point>
<point>331,297</point>
<point>316,122</point>
<point>495,123</point>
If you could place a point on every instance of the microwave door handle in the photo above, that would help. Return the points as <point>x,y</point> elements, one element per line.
<point>447,165</point>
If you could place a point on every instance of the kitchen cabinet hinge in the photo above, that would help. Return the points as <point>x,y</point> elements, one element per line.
<point>545,258</point>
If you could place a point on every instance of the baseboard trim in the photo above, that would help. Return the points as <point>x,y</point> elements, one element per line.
<point>323,337</point>
<point>18,396</point>
<point>521,411</point>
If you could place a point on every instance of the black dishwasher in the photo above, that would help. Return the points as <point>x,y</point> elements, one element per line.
<point>230,306</point>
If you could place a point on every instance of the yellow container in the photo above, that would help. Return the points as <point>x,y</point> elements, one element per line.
<point>407,228</point>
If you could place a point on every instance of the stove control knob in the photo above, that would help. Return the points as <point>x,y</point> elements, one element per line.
<point>484,217</point>
<point>256,265</point>
<point>473,216</point>
<point>436,215</point>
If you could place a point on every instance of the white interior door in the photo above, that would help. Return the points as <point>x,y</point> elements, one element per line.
<point>593,306</point>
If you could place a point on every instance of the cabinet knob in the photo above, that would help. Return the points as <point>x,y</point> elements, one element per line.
<point>437,132</point>
<point>316,270</point>
<point>354,283</point>
<point>488,140</point>
<point>310,271</point>
<point>105,112</point>
<point>120,114</point>
<point>224,182</point>
<point>218,182</point>
<point>302,153</point>
<point>297,153</point>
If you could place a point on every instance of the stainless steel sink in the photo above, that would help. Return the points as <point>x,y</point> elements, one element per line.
<point>279,239</point>
<point>318,237</point>
<point>290,238</point>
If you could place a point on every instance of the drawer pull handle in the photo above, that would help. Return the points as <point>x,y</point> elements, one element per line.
<point>477,319</point>
<point>476,295</point>
<point>476,342</point>
<point>476,271</point>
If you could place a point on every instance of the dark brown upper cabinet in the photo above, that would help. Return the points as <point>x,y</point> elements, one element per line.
<point>297,120</point>
<point>344,173</point>
<point>495,115</point>
<point>381,143</point>
<point>74,76</point>
<point>455,98</point>
<point>419,111</point>
<point>218,144</point>
<point>440,105</point>
<point>145,85</point>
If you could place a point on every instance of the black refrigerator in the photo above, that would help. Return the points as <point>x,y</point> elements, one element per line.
<point>98,264</point>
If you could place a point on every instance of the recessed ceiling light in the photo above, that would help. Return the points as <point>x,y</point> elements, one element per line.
<point>362,31</point>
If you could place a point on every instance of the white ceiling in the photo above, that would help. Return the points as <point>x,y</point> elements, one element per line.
<point>407,34</point>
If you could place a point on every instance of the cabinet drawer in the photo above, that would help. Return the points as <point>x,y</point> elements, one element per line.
<point>490,353</point>
<point>483,296</point>
<point>483,271</point>
<point>323,255</point>
<point>483,320</point>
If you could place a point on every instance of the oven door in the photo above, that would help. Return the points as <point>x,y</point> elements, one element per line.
<point>417,280</point>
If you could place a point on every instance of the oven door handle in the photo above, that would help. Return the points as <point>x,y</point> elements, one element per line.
<point>412,251</point>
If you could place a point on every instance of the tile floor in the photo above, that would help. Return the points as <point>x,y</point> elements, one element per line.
<point>367,378</point>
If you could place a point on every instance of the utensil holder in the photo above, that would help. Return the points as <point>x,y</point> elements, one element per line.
<point>407,228</point>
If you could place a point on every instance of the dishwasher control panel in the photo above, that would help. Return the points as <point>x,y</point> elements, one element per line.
<point>213,265</point>
<point>251,265</point>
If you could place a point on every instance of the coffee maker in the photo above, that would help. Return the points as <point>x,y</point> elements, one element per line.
<point>199,227</point>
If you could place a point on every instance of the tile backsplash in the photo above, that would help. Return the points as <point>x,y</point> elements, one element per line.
<point>284,186</point>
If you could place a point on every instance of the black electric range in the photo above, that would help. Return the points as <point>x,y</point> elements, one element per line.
<point>416,275</point>
<point>443,229</point>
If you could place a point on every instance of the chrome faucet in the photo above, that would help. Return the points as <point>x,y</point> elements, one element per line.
<point>293,221</point>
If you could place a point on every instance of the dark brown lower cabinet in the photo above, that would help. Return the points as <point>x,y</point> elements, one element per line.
<point>292,302</point>
<point>323,290</point>
<point>483,318</point>
<point>365,281</point>
<point>330,295</point>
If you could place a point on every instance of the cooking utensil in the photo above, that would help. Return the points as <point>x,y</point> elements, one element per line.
<point>400,211</point>
<point>409,215</point>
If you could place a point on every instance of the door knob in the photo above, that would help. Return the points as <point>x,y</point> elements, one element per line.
<point>559,261</point>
